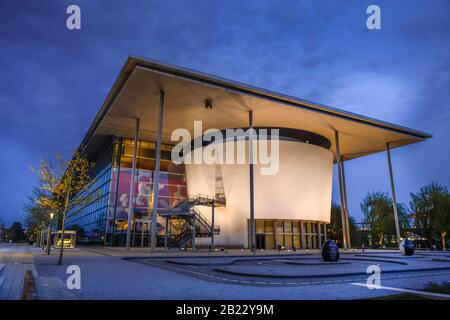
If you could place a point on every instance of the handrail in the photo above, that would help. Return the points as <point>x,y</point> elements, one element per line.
<point>186,208</point>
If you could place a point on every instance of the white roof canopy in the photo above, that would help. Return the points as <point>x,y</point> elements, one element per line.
<point>136,94</point>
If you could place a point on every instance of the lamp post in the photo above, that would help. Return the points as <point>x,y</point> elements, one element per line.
<point>49,233</point>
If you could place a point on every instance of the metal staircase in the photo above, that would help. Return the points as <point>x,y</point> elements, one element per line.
<point>184,222</point>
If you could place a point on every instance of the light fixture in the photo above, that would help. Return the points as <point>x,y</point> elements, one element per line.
<point>208,103</point>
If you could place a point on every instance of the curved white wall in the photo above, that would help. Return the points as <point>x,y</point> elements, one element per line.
<point>301,190</point>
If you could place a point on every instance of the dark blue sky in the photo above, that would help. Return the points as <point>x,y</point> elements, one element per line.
<point>53,81</point>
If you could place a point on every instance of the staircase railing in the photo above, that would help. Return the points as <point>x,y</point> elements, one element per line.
<point>186,210</point>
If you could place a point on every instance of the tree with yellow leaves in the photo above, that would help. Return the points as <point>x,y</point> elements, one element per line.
<point>61,183</point>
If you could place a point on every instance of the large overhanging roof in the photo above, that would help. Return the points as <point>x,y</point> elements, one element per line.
<point>136,94</point>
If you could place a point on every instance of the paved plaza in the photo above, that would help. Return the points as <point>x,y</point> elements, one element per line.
<point>114,273</point>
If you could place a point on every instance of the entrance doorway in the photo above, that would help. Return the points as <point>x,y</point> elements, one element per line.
<point>260,241</point>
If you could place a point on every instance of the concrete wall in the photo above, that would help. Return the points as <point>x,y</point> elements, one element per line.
<point>301,190</point>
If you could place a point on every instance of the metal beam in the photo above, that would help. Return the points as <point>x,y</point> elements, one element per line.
<point>133,174</point>
<point>394,201</point>
<point>344,188</point>
<point>252,190</point>
<point>341,195</point>
<point>156,173</point>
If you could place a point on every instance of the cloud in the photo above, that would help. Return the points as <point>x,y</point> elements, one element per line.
<point>54,81</point>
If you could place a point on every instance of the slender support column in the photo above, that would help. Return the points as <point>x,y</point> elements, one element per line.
<point>156,173</point>
<point>212,223</point>
<point>49,237</point>
<point>319,235</point>
<point>252,193</point>
<point>325,231</point>
<point>118,159</point>
<point>344,188</point>
<point>142,233</point>
<point>303,235</point>
<point>394,201</point>
<point>133,174</point>
<point>275,238</point>
<point>167,233</point>
<point>341,195</point>
<point>43,237</point>
<point>194,223</point>
<point>133,231</point>
<point>149,230</point>
<point>40,236</point>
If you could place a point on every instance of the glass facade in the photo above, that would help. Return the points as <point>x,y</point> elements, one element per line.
<point>89,219</point>
<point>172,184</point>
<point>288,234</point>
<point>104,220</point>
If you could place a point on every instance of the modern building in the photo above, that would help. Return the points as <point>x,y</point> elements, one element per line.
<point>131,142</point>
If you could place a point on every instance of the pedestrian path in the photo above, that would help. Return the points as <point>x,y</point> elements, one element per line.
<point>53,288</point>
<point>15,260</point>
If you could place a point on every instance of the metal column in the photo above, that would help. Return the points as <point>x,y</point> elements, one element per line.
<point>212,224</point>
<point>303,235</point>
<point>394,201</point>
<point>142,233</point>
<point>118,159</point>
<point>41,241</point>
<point>344,188</point>
<point>156,174</point>
<point>49,237</point>
<point>133,173</point>
<point>341,195</point>
<point>252,195</point>
<point>319,235</point>
<point>275,239</point>
<point>194,222</point>
<point>167,233</point>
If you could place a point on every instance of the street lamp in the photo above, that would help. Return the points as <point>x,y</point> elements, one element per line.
<point>49,233</point>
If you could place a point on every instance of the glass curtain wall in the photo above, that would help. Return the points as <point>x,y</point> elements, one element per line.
<point>89,218</point>
<point>288,234</point>
<point>173,189</point>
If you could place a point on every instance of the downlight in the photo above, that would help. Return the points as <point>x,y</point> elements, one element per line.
<point>208,104</point>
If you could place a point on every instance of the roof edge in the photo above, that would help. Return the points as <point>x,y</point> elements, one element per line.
<point>133,61</point>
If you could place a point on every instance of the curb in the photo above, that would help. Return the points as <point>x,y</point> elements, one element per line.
<point>244,257</point>
<point>322,275</point>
